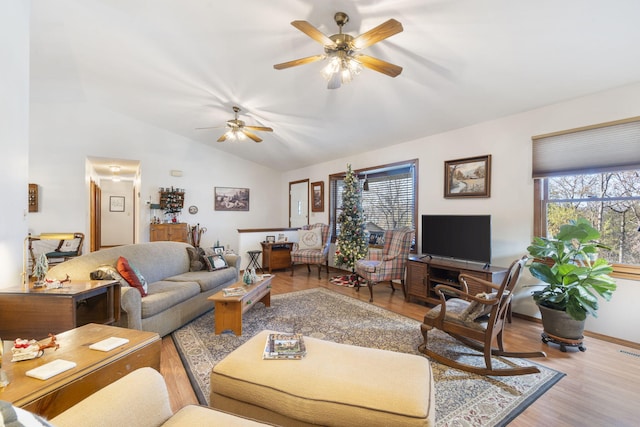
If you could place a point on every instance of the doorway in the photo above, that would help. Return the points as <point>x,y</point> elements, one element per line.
<point>114,201</point>
<point>298,203</point>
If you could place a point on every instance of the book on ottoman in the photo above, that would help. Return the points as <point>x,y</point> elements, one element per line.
<point>284,347</point>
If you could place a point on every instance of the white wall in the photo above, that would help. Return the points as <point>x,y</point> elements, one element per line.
<point>64,134</point>
<point>117,227</point>
<point>14,137</point>
<point>508,140</point>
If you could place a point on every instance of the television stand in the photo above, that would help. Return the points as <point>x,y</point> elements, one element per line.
<point>424,273</point>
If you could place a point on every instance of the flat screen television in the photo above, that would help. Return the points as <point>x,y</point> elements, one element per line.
<point>464,237</point>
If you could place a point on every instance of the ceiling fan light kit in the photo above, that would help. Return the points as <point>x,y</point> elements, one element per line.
<point>341,50</point>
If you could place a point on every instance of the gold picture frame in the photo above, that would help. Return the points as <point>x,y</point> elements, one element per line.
<point>469,177</point>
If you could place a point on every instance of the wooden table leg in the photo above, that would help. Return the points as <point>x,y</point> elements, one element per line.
<point>228,315</point>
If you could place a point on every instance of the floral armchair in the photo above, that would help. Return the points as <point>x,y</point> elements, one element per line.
<point>312,247</point>
<point>391,265</point>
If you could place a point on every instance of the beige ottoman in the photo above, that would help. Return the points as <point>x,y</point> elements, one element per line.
<point>334,385</point>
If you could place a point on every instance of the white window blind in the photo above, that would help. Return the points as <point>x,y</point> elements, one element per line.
<point>600,148</point>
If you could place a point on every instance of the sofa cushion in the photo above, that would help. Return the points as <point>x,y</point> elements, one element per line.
<point>108,272</point>
<point>215,262</point>
<point>164,294</point>
<point>207,280</point>
<point>140,277</point>
<point>310,239</point>
<point>476,310</point>
<point>129,274</point>
<point>196,259</point>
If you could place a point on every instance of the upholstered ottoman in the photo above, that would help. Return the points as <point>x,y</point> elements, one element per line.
<point>334,385</point>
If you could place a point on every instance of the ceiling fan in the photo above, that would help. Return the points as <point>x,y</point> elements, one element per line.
<point>345,61</point>
<point>236,129</point>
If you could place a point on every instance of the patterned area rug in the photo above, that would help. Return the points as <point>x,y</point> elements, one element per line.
<point>462,399</point>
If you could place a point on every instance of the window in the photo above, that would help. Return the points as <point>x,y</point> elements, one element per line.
<point>600,183</point>
<point>389,198</point>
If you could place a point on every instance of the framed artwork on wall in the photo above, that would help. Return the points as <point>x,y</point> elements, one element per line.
<point>317,199</point>
<point>231,199</point>
<point>470,177</point>
<point>116,203</point>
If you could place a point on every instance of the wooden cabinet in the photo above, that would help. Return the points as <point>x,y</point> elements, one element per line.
<point>171,232</point>
<point>276,255</point>
<point>424,274</point>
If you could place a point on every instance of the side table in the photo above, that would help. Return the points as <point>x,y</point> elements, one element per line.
<point>94,369</point>
<point>276,255</point>
<point>33,313</point>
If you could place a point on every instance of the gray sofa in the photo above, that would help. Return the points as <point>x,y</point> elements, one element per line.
<point>175,294</point>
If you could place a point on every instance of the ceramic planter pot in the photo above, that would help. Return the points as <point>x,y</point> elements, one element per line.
<point>560,324</point>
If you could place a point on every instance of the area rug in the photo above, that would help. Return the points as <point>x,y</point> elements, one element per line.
<point>462,398</point>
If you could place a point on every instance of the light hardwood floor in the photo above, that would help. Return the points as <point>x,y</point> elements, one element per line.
<point>601,386</point>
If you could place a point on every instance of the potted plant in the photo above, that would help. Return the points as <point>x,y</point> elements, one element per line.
<point>573,274</point>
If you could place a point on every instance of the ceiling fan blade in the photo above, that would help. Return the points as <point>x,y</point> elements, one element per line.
<point>260,128</point>
<point>297,62</point>
<point>381,32</point>
<point>252,135</point>
<point>379,65</point>
<point>223,137</point>
<point>313,32</point>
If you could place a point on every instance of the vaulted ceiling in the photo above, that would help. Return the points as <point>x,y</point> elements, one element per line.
<point>183,64</point>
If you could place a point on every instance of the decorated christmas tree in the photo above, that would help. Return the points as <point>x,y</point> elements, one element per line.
<point>351,244</point>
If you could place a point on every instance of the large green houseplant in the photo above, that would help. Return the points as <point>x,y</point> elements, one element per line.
<point>573,273</point>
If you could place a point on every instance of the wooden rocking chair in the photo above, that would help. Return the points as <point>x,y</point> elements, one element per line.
<point>475,321</point>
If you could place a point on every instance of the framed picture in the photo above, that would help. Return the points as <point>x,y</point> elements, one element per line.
<point>218,250</point>
<point>281,237</point>
<point>116,203</point>
<point>271,239</point>
<point>470,177</point>
<point>231,199</point>
<point>317,200</point>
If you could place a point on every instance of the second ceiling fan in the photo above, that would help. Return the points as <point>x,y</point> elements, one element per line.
<point>342,50</point>
<point>237,129</point>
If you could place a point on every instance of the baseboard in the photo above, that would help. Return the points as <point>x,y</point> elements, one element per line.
<point>596,335</point>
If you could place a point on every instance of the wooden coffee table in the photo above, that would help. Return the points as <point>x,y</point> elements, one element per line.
<point>94,370</point>
<point>228,310</point>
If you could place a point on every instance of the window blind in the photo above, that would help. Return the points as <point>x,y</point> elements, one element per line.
<point>390,201</point>
<point>600,148</point>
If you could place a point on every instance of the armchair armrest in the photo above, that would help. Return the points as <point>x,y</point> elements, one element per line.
<point>115,405</point>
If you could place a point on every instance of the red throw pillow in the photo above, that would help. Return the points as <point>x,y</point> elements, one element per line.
<point>129,275</point>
